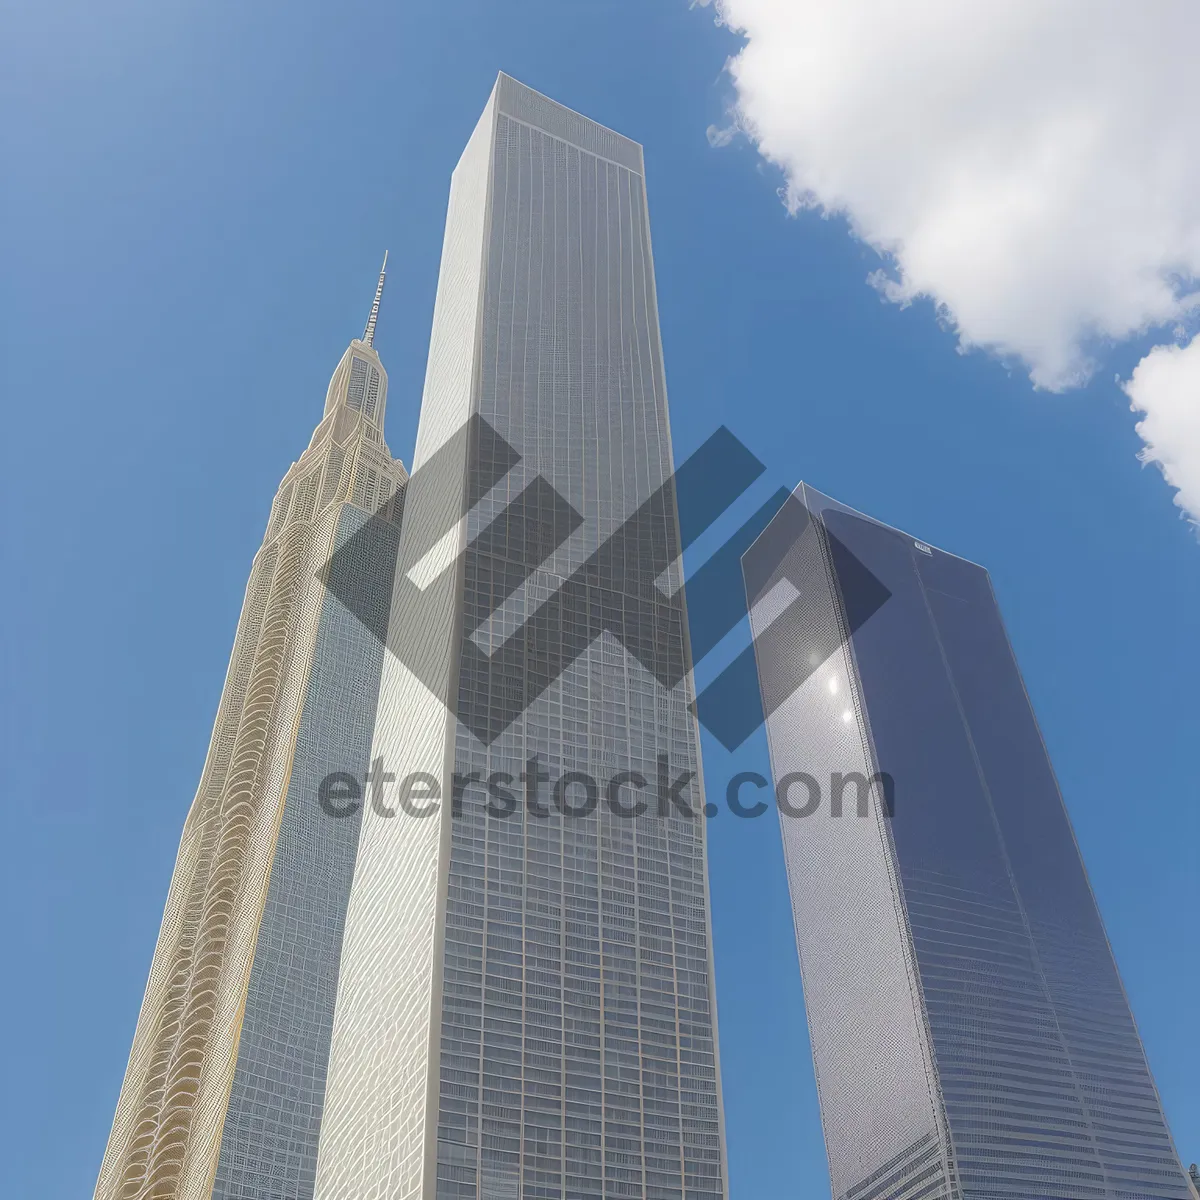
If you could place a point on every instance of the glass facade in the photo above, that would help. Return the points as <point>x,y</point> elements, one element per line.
<point>1026,1064</point>
<point>555,1035</point>
<point>577,1051</point>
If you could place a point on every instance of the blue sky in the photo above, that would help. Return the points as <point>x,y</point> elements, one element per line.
<point>197,197</point>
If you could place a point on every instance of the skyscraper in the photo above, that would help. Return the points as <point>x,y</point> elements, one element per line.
<point>223,1094</point>
<point>970,1033</point>
<point>526,1005</point>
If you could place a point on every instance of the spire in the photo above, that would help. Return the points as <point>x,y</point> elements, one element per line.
<point>369,334</point>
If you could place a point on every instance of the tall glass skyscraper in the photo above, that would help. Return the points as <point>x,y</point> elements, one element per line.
<point>970,1033</point>
<point>526,1006</point>
<point>223,1094</point>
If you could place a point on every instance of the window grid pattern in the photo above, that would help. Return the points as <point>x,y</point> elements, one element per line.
<point>577,1034</point>
<point>474,968</point>
<point>1041,1080</point>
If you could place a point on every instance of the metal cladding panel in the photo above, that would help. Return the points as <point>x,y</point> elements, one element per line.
<point>875,1079</point>
<point>374,1134</point>
<point>269,1143</point>
<point>1042,1077</point>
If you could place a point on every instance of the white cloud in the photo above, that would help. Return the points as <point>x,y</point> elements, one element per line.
<point>1165,386</point>
<point>1031,166</point>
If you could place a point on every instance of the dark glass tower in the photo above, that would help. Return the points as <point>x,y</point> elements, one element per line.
<point>970,1032</point>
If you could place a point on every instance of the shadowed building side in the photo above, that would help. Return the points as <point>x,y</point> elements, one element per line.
<point>971,1036</point>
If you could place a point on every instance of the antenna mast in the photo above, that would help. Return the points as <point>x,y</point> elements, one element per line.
<point>369,333</point>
